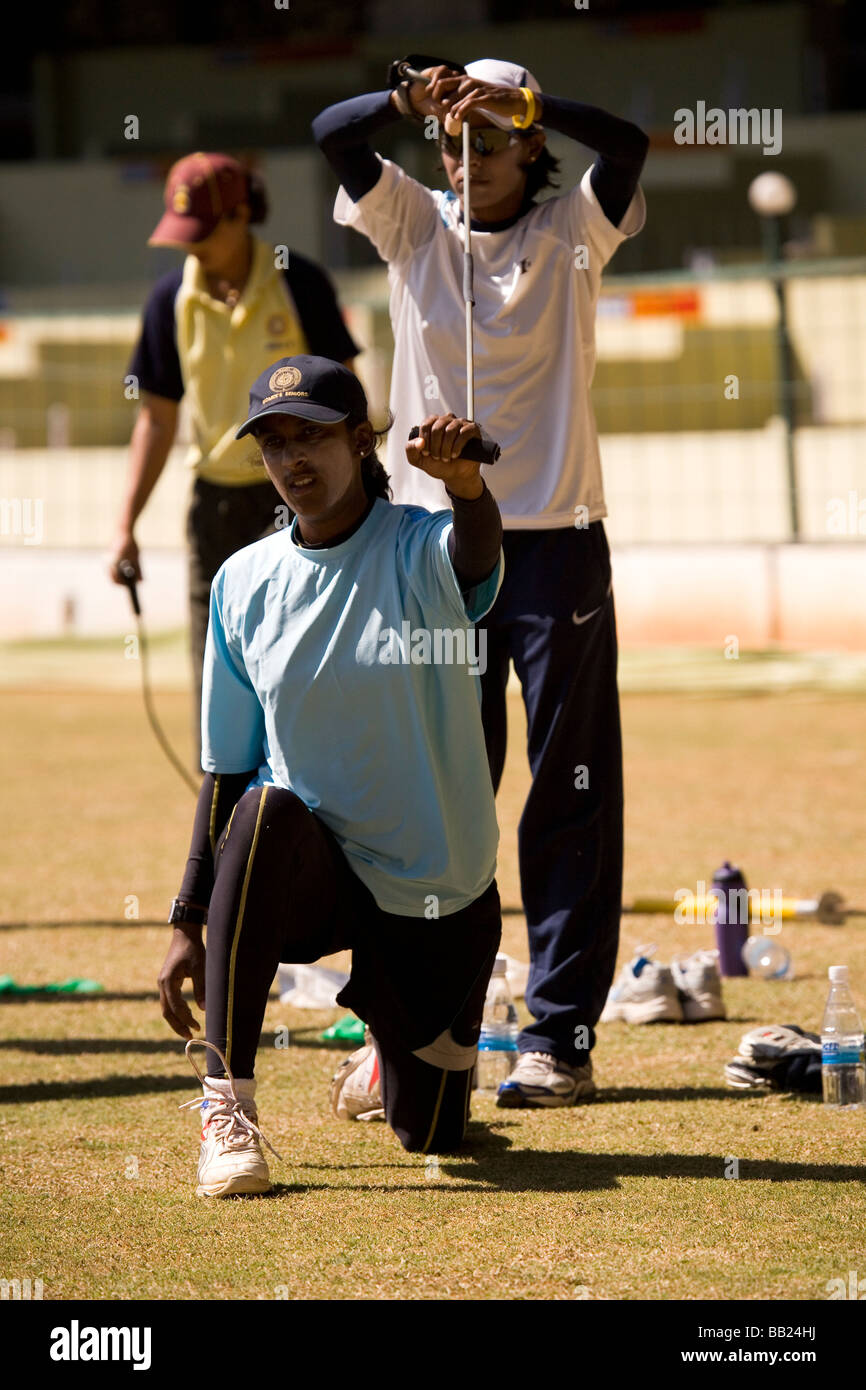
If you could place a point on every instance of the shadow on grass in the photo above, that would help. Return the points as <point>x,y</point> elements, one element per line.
<point>84,922</point>
<point>42,996</point>
<point>77,1047</point>
<point>538,1170</point>
<point>619,1094</point>
<point>295,1189</point>
<point>491,1163</point>
<point>81,1047</point>
<point>105,1086</point>
<point>45,996</point>
<point>131,1085</point>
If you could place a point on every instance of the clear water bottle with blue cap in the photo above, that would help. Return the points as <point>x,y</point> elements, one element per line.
<point>843,1068</point>
<point>497,1045</point>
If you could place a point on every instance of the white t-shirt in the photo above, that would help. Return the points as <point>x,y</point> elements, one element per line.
<point>536,286</point>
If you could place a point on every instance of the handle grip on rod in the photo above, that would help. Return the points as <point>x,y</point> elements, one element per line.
<point>478,450</point>
<point>127,577</point>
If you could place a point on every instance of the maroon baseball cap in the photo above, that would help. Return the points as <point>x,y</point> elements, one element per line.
<point>199,190</point>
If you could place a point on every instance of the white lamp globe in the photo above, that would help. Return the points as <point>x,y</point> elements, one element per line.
<point>772,195</point>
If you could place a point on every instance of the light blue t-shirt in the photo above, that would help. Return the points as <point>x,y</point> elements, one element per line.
<point>350,675</point>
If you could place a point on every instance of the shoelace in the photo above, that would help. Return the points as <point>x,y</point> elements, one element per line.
<point>235,1117</point>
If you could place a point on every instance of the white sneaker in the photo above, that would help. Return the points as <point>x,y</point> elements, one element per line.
<point>699,985</point>
<point>542,1080</point>
<point>355,1093</point>
<point>644,993</point>
<point>231,1159</point>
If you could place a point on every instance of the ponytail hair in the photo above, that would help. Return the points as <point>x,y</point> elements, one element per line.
<point>376,481</point>
<point>541,173</point>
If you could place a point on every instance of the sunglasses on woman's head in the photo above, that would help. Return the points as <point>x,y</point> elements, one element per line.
<point>485,139</point>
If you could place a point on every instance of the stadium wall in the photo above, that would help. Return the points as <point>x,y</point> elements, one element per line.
<point>807,596</point>
<point>68,223</point>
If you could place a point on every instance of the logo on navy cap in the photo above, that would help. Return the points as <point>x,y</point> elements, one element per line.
<point>285,379</point>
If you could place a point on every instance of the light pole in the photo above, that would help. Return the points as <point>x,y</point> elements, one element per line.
<point>772,196</point>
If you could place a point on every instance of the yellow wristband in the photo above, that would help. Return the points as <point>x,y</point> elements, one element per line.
<point>527,119</point>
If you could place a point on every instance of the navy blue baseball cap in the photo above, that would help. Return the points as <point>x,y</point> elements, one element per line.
<point>313,387</point>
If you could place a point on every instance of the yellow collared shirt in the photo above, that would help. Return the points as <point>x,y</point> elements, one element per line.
<point>222,350</point>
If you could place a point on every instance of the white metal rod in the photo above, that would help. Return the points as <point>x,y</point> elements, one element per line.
<point>468,288</point>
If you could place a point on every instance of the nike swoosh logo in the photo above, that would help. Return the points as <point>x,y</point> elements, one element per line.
<point>579,619</point>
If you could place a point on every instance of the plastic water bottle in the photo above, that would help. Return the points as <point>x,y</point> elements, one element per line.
<point>843,1070</point>
<point>767,958</point>
<point>497,1045</point>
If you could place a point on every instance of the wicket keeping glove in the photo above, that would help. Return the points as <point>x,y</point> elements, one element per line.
<point>780,1057</point>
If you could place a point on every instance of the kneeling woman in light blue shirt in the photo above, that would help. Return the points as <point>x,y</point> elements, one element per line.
<point>347,801</point>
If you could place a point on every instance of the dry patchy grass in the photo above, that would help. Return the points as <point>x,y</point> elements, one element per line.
<point>625,1198</point>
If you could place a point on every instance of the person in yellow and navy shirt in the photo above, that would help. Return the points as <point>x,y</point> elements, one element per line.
<point>208,329</point>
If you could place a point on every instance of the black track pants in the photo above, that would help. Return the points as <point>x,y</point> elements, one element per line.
<point>283,890</point>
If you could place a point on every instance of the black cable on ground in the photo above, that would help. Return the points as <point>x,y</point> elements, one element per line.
<point>128,576</point>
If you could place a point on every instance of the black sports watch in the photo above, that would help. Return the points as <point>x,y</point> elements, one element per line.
<point>186,912</point>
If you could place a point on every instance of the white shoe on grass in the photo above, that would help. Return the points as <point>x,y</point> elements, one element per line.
<point>231,1161</point>
<point>644,993</point>
<point>699,986</point>
<point>540,1079</point>
<point>355,1092</point>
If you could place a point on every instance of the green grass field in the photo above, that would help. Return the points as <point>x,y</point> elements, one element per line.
<point>624,1198</point>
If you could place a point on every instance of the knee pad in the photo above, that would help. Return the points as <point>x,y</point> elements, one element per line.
<point>447,1054</point>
